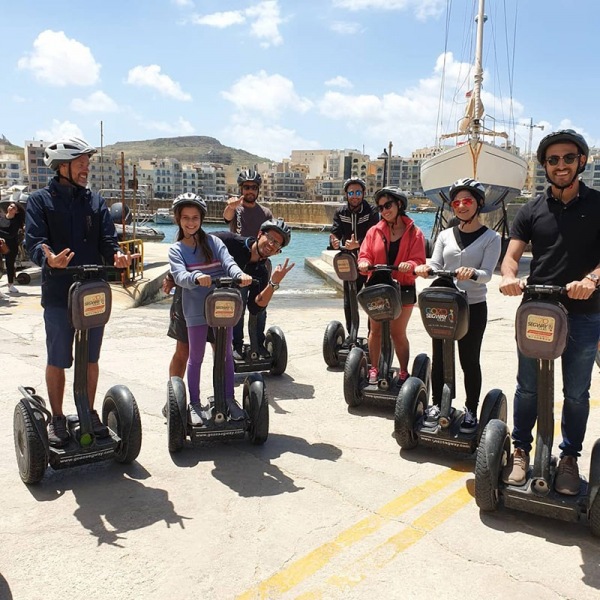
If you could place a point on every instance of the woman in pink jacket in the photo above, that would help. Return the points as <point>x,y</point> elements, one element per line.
<point>395,240</point>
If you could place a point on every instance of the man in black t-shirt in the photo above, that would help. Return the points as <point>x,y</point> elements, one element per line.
<point>563,227</point>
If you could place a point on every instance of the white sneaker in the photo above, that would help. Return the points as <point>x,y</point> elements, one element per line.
<point>12,289</point>
<point>3,296</point>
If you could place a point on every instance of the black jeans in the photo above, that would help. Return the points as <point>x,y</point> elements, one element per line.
<point>469,350</point>
<point>11,257</point>
<point>360,282</point>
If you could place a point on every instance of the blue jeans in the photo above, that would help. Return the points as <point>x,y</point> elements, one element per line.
<point>577,364</point>
<point>261,323</point>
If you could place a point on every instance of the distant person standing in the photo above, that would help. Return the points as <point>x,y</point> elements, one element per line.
<point>245,215</point>
<point>11,224</point>
<point>350,225</point>
<point>563,226</point>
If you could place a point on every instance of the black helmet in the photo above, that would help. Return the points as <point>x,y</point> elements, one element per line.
<point>280,227</point>
<point>249,175</point>
<point>471,185</point>
<point>395,192</point>
<point>564,135</point>
<point>358,180</point>
<point>189,199</point>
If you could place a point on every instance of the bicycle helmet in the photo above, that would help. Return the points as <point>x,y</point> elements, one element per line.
<point>358,180</point>
<point>249,175</point>
<point>562,136</point>
<point>66,150</point>
<point>470,185</point>
<point>396,193</point>
<point>189,199</point>
<point>280,227</point>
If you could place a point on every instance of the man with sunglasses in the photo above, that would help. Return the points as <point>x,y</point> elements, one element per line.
<point>350,225</point>
<point>563,226</point>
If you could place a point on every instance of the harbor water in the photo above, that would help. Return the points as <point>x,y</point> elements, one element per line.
<point>305,244</point>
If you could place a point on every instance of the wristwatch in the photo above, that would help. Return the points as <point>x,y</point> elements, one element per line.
<point>593,277</point>
<point>275,286</point>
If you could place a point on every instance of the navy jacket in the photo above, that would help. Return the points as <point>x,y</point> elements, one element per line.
<point>63,216</point>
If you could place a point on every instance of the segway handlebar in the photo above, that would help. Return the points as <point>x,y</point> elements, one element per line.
<point>228,282</point>
<point>449,274</point>
<point>544,289</point>
<point>382,266</point>
<point>85,271</point>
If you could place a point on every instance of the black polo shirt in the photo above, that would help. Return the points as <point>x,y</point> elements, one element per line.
<point>565,241</point>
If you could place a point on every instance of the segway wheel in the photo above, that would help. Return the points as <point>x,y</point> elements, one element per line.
<point>595,516</point>
<point>23,278</point>
<point>492,455</point>
<point>277,347</point>
<point>121,414</point>
<point>356,376</point>
<point>422,370</point>
<point>175,424</point>
<point>30,449</point>
<point>256,404</point>
<point>332,342</point>
<point>493,407</point>
<point>411,404</point>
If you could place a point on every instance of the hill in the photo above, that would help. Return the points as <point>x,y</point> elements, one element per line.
<point>6,146</point>
<point>196,148</point>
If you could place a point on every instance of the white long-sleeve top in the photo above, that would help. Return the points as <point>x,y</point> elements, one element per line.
<point>481,255</point>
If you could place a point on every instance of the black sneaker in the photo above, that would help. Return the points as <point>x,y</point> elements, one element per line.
<point>469,423</point>
<point>100,429</point>
<point>58,435</point>
<point>238,353</point>
<point>432,414</point>
<point>263,352</point>
<point>236,412</point>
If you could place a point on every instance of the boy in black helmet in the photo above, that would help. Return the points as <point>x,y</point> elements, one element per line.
<point>563,226</point>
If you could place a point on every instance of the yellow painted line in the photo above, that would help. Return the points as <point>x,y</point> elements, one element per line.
<point>395,545</point>
<point>305,567</point>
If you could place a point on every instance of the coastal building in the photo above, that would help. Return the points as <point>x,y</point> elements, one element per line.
<point>38,174</point>
<point>12,170</point>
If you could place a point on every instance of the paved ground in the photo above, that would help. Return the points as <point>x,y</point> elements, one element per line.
<point>327,508</point>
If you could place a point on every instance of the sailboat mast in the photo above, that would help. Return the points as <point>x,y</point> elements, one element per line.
<point>478,77</point>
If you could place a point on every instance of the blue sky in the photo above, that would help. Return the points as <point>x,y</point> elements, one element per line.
<point>270,76</point>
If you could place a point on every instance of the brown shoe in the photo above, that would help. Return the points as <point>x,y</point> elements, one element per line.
<point>515,471</point>
<point>567,477</point>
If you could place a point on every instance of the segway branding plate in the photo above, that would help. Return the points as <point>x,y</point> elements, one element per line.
<point>542,329</point>
<point>223,307</point>
<point>445,313</point>
<point>381,301</point>
<point>344,264</point>
<point>90,304</point>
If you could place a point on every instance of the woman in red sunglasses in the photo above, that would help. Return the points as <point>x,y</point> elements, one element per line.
<point>395,240</point>
<point>469,248</point>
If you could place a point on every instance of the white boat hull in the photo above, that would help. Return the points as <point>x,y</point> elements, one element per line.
<point>501,172</point>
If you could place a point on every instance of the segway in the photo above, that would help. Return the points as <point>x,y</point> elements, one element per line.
<point>542,333</point>
<point>89,306</point>
<point>336,346</point>
<point>382,303</point>
<point>445,314</point>
<point>223,308</point>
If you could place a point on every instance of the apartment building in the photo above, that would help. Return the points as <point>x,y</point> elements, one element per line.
<point>38,174</point>
<point>12,170</point>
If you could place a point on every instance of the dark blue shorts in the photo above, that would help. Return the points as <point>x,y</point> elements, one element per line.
<point>59,338</point>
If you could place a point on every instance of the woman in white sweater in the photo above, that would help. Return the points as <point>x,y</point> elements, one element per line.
<point>468,248</point>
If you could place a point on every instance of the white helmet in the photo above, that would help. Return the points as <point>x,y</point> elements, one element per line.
<point>66,150</point>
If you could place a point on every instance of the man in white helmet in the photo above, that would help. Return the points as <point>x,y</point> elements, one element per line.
<point>66,223</point>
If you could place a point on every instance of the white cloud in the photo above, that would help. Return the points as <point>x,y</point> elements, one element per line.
<point>180,127</point>
<point>60,61</point>
<point>340,82</point>
<point>345,27</point>
<point>95,102</point>
<point>183,3</point>
<point>264,17</point>
<point>58,130</point>
<point>267,94</point>
<point>422,8</point>
<point>270,141</point>
<point>150,76</point>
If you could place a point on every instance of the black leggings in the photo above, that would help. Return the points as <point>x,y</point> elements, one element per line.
<point>10,258</point>
<point>360,282</point>
<point>469,350</point>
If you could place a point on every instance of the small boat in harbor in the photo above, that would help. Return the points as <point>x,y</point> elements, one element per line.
<point>163,216</point>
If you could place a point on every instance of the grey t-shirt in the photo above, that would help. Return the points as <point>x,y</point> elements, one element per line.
<point>247,221</point>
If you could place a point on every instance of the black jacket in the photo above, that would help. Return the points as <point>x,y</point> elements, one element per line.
<point>346,222</point>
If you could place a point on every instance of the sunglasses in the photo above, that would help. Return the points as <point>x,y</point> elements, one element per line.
<point>272,241</point>
<point>466,201</point>
<point>356,193</point>
<point>252,188</point>
<point>568,159</point>
<point>386,206</point>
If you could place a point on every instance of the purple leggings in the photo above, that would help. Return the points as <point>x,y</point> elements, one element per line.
<point>197,339</point>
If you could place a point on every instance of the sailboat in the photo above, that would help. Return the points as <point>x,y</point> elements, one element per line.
<point>501,170</point>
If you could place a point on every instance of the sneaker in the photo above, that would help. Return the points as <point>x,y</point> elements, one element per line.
<point>195,413</point>
<point>58,435</point>
<point>238,353</point>
<point>432,415</point>
<point>373,375</point>
<point>515,471</point>
<point>567,477</point>
<point>469,422</point>
<point>263,352</point>
<point>100,429</point>
<point>236,412</point>
<point>12,289</point>
<point>404,375</point>
<point>3,296</point>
